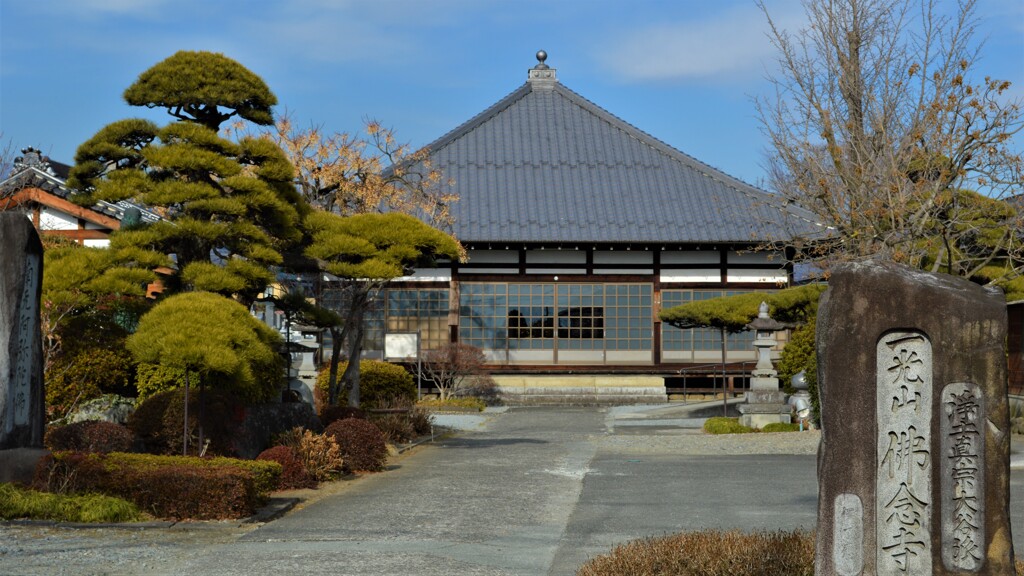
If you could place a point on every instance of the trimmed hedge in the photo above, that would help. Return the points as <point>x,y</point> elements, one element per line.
<point>723,425</point>
<point>293,472</point>
<point>90,436</point>
<point>361,442</point>
<point>178,487</point>
<point>781,427</point>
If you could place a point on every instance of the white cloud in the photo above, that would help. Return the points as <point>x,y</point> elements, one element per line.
<point>723,46</point>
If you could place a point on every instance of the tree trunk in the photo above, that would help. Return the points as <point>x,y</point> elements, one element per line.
<point>355,329</point>
<point>350,379</point>
<point>337,338</point>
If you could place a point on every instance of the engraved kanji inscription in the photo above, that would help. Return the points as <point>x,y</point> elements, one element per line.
<point>963,446</point>
<point>904,474</point>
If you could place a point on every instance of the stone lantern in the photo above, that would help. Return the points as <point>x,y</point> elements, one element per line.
<point>765,402</point>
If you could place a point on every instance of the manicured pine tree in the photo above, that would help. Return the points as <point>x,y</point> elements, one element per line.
<point>230,209</point>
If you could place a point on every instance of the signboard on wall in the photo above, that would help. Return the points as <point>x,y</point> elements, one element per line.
<point>401,345</point>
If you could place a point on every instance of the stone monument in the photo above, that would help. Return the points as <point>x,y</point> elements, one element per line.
<point>764,403</point>
<point>913,466</point>
<point>22,411</point>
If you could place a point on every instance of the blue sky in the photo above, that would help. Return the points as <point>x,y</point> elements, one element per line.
<point>684,71</point>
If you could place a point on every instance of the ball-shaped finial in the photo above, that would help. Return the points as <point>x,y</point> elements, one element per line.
<point>541,56</point>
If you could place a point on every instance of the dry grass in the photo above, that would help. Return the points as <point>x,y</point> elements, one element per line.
<point>714,553</point>
<point>319,453</point>
<point>710,553</point>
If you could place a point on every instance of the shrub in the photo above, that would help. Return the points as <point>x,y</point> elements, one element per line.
<point>710,553</point>
<point>361,443</point>
<point>293,472</point>
<point>395,427</point>
<point>379,382</point>
<point>406,422</point>
<point>333,413</point>
<point>236,351</point>
<point>86,374</point>
<point>159,420</point>
<point>483,387</point>
<point>90,436</point>
<point>319,453</point>
<point>799,355</point>
<point>16,503</point>
<point>421,419</point>
<point>723,425</point>
<point>455,403</point>
<point>152,379</point>
<point>176,487</point>
<point>781,427</point>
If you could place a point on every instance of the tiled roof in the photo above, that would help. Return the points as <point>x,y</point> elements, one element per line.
<point>33,170</point>
<point>545,164</point>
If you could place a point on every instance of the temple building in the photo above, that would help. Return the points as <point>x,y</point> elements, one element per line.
<point>579,229</point>
<point>37,186</point>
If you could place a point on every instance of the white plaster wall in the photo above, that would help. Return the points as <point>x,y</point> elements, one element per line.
<point>689,257</point>
<point>50,219</point>
<point>699,275</point>
<point>762,276</point>
<point>427,275</point>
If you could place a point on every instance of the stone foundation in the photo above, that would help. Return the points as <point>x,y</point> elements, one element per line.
<point>581,389</point>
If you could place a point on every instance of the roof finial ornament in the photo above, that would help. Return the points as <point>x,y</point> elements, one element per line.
<point>542,76</point>
<point>541,57</point>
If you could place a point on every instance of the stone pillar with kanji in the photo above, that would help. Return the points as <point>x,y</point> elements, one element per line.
<point>913,466</point>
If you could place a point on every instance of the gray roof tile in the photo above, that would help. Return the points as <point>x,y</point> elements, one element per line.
<point>547,165</point>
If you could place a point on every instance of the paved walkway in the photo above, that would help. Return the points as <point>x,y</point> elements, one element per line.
<point>530,492</point>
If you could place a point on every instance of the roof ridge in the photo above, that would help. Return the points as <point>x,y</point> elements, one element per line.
<point>488,113</point>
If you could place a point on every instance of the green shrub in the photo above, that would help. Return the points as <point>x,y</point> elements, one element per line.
<point>456,403</point>
<point>799,355</point>
<point>176,487</point>
<point>87,373</point>
<point>379,382</point>
<point>723,425</point>
<point>152,379</point>
<point>215,336</point>
<point>17,503</point>
<point>90,436</point>
<point>781,427</point>
<point>293,472</point>
<point>361,444</point>
<point>710,553</point>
